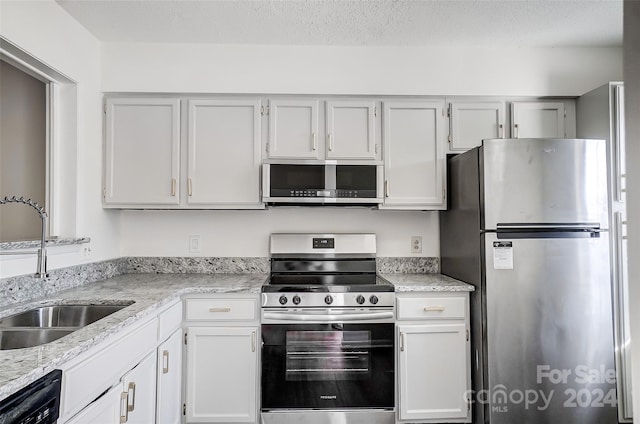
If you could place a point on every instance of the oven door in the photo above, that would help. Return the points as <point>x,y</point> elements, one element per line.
<point>327,366</point>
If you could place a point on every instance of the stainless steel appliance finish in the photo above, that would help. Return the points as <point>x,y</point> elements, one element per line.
<point>327,332</point>
<point>600,114</point>
<point>542,327</point>
<point>328,182</point>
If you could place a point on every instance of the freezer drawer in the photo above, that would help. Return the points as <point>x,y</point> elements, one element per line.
<point>549,331</point>
<point>534,181</point>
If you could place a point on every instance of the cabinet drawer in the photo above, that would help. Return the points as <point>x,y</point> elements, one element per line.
<point>221,309</point>
<point>169,320</point>
<point>431,307</point>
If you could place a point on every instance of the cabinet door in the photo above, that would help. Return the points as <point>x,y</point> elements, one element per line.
<point>293,129</point>
<point>142,152</point>
<point>222,383</point>
<point>224,153</point>
<point>351,130</point>
<point>414,159</point>
<point>169,380</point>
<point>104,410</point>
<point>471,122</point>
<point>139,387</point>
<point>433,369</point>
<point>537,120</point>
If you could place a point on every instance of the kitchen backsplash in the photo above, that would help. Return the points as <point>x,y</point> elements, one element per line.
<point>26,287</point>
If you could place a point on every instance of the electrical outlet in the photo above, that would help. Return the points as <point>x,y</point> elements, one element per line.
<point>194,244</point>
<point>86,253</point>
<point>416,244</point>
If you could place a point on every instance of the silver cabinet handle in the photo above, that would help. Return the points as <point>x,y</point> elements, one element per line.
<point>165,362</point>
<point>330,142</point>
<point>132,388</point>
<point>386,188</point>
<point>401,341</point>
<point>434,309</point>
<point>314,141</point>
<point>501,130</point>
<point>253,341</point>
<point>173,186</point>
<point>515,130</point>
<point>189,187</point>
<point>124,406</point>
<point>219,309</point>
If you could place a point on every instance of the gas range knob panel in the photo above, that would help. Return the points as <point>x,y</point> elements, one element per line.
<point>283,300</point>
<point>328,300</point>
<point>360,299</point>
<point>296,300</point>
<point>373,299</point>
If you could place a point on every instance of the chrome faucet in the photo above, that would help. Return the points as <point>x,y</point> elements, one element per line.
<point>41,272</point>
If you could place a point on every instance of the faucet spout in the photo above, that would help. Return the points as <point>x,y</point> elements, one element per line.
<point>41,272</point>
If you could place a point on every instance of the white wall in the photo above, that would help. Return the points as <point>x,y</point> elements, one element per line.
<point>357,70</point>
<point>632,111</point>
<point>184,68</point>
<point>246,233</point>
<point>45,31</point>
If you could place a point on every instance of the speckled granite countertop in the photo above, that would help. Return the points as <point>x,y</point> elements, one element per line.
<point>149,292</point>
<point>426,283</point>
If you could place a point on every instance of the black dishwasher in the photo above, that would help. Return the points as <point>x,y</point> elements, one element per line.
<point>38,403</point>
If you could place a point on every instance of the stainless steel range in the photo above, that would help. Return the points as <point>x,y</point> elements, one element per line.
<point>327,332</point>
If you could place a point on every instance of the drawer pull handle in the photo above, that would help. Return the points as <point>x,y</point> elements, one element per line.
<point>124,406</point>
<point>219,309</point>
<point>132,388</point>
<point>434,309</point>
<point>165,362</point>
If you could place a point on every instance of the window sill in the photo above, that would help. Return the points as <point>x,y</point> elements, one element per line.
<point>35,244</point>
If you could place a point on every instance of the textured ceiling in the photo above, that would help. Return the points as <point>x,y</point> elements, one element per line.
<point>544,23</point>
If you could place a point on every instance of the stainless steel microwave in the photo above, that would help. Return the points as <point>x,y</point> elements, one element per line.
<point>322,183</point>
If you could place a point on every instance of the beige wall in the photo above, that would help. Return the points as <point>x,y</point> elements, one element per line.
<point>22,151</point>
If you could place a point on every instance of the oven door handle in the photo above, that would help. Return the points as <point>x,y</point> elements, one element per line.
<point>286,316</point>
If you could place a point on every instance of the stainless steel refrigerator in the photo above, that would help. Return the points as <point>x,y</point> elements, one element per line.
<point>527,225</point>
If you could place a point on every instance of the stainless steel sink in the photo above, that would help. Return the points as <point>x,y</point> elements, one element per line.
<point>60,316</point>
<point>30,337</point>
<point>45,324</point>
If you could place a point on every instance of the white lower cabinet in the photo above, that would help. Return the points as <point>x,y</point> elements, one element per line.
<point>222,360</point>
<point>169,380</point>
<point>433,358</point>
<point>131,401</point>
<point>139,393</point>
<point>105,410</point>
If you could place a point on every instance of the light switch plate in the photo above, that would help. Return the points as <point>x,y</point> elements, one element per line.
<point>194,244</point>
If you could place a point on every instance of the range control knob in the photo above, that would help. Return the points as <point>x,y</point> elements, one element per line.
<point>282,300</point>
<point>296,300</point>
<point>328,300</point>
<point>373,299</point>
<point>360,299</point>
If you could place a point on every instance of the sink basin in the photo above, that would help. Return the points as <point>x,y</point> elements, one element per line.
<point>48,323</point>
<point>60,316</point>
<point>30,337</point>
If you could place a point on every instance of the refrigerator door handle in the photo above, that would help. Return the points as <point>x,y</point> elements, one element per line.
<point>577,226</point>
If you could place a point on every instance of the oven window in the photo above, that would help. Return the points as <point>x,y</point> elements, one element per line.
<point>327,355</point>
<point>327,366</point>
<point>292,177</point>
<point>356,177</point>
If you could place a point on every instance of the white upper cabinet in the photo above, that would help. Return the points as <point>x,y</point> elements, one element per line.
<point>142,152</point>
<point>293,129</point>
<point>224,140</point>
<point>538,120</point>
<point>351,130</point>
<point>471,122</point>
<point>414,155</point>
